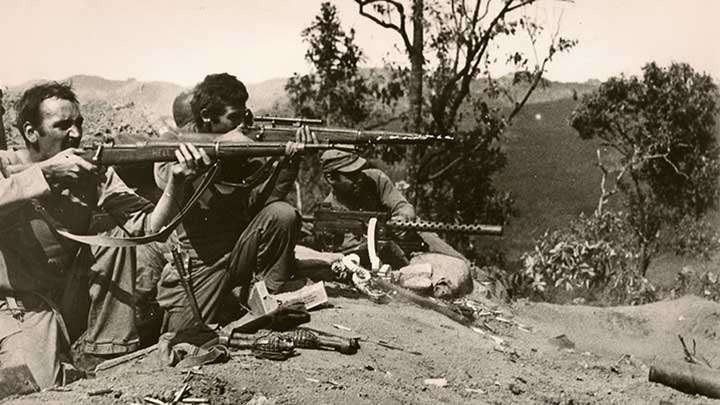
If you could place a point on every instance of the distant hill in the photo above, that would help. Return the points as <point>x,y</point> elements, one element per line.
<point>267,94</point>
<point>157,97</point>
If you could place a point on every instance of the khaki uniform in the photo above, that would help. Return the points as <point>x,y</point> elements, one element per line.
<point>40,270</point>
<point>229,239</point>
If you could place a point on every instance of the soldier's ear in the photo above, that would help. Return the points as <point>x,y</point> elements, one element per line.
<point>205,115</point>
<point>31,133</point>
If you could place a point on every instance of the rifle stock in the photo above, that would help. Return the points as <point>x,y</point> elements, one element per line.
<point>150,152</point>
<point>108,155</point>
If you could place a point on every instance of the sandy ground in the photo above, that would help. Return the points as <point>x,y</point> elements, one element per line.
<point>603,358</point>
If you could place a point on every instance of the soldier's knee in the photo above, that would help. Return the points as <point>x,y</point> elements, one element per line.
<point>283,214</point>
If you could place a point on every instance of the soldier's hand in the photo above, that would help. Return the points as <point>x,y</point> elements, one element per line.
<point>191,161</point>
<point>293,148</point>
<point>66,168</point>
<point>305,135</point>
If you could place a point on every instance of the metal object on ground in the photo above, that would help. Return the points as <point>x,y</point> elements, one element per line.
<point>686,377</point>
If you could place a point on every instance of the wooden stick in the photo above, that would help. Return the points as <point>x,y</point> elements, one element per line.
<point>124,359</point>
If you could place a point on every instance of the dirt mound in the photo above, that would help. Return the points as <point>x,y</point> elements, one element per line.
<point>647,332</point>
<point>603,358</point>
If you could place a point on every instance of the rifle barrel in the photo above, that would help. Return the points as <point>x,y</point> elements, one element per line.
<point>473,229</point>
<point>345,136</point>
<point>288,120</point>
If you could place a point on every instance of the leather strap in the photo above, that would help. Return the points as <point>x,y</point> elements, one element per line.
<point>252,180</point>
<point>162,234</point>
<point>215,354</point>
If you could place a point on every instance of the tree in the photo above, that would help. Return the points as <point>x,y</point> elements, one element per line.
<point>336,90</point>
<point>661,129</point>
<point>451,46</point>
<point>3,138</point>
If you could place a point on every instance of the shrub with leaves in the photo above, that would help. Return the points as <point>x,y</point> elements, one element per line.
<point>705,284</point>
<point>694,238</point>
<point>662,128</point>
<point>592,258</point>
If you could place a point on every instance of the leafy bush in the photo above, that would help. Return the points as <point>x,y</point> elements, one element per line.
<point>662,125</point>
<point>592,259</point>
<point>694,238</point>
<point>704,284</point>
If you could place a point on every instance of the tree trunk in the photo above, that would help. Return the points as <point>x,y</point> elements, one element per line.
<point>416,67</point>
<point>417,60</point>
<point>3,138</point>
<point>643,259</point>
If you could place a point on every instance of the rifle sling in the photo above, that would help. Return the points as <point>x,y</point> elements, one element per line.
<point>252,180</point>
<point>162,234</point>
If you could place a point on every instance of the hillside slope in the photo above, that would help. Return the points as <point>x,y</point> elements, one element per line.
<point>551,172</point>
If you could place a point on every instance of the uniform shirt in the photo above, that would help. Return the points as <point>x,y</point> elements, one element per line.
<point>33,257</point>
<point>213,225</point>
<point>377,193</point>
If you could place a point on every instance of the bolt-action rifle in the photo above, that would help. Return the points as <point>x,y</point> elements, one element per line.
<point>266,128</point>
<point>107,155</point>
<point>327,136</point>
<point>149,152</point>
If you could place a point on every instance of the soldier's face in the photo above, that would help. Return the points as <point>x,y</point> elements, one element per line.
<point>229,120</point>
<point>60,126</point>
<point>347,184</point>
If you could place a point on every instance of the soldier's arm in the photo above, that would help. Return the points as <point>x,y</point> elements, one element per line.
<point>392,198</point>
<point>19,187</point>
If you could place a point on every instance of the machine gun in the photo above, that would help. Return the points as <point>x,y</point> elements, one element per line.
<point>357,222</point>
<point>331,225</point>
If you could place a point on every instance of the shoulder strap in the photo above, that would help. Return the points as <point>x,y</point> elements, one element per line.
<point>254,179</point>
<point>108,241</point>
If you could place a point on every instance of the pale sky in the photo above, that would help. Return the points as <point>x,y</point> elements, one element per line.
<point>182,40</point>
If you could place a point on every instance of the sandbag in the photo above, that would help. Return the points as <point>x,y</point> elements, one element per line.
<point>447,276</point>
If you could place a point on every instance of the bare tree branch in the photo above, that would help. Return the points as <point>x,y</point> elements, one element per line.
<point>487,10</point>
<point>465,86</point>
<point>400,29</point>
